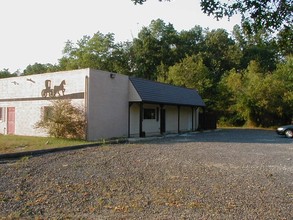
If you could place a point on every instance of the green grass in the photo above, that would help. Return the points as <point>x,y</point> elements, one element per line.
<point>15,143</point>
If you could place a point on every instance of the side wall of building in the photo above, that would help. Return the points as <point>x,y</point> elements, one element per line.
<point>107,105</point>
<point>28,95</point>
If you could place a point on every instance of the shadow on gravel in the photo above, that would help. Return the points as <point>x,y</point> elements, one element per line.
<point>257,136</point>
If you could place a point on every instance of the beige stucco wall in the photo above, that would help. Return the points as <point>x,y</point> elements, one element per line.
<point>133,95</point>
<point>24,93</point>
<point>185,119</point>
<point>27,114</point>
<point>107,105</point>
<point>134,119</point>
<point>152,126</point>
<point>171,119</point>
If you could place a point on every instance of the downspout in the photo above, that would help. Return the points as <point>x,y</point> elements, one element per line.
<point>178,107</point>
<point>129,106</point>
<point>196,118</point>
<point>86,102</point>
<point>192,118</point>
<point>141,134</point>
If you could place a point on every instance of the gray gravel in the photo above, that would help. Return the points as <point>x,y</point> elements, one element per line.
<point>225,174</point>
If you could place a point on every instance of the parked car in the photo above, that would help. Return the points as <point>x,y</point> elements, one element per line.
<point>286,130</point>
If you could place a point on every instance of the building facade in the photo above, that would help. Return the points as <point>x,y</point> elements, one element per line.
<point>115,105</point>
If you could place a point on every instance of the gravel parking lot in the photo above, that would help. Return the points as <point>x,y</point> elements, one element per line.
<point>223,174</point>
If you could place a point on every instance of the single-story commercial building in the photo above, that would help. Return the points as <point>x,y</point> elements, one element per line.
<point>115,105</point>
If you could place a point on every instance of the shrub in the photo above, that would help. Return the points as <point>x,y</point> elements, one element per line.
<point>64,120</point>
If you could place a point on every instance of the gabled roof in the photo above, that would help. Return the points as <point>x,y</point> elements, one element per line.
<point>155,92</point>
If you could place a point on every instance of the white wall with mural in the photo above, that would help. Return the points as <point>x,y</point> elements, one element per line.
<point>27,95</point>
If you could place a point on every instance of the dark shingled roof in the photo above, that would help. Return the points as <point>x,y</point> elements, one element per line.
<point>155,92</point>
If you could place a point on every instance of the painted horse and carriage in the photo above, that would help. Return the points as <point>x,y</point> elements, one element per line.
<point>52,92</point>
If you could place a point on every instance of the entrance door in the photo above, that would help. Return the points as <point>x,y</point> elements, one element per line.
<point>10,120</point>
<point>163,121</point>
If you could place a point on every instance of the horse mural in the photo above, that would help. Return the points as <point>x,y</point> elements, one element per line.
<point>59,88</point>
<point>53,92</point>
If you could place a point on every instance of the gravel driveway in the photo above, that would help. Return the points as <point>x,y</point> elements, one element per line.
<point>224,174</point>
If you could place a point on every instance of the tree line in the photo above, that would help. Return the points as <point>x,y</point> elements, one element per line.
<point>245,77</point>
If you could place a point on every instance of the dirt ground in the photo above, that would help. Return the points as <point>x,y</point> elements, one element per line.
<point>224,174</point>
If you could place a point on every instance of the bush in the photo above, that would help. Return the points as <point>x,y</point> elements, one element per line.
<point>64,120</point>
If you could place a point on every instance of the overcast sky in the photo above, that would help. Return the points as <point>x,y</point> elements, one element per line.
<point>36,30</point>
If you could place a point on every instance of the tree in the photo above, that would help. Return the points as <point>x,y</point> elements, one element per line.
<point>257,98</point>
<point>220,52</point>
<point>285,39</point>
<point>256,14</point>
<point>190,42</point>
<point>154,45</point>
<point>120,58</point>
<point>284,75</point>
<point>89,52</point>
<point>259,46</point>
<point>5,73</point>
<point>145,55</point>
<point>39,68</point>
<point>231,95</point>
<point>192,73</point>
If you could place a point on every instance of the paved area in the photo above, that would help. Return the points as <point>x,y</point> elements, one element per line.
<point>223,174</point>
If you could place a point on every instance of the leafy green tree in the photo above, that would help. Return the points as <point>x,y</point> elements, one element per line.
<point>257,95</point>
<point>5,73</point>
<point>258,98</point>
<point>162,72</point>
<point>259,46</point>
<point>120,58</point>
<point>192,73</point>
<point>38,68</point>
<point>220,52</point>
<point>284,41</point>
<point>245,93</point>
<point>257,14</point>
<point>190,42</point>
<point>168,40</point>
<point>89,52</point>
<point>144,55</point>
<point>284,76</point>
<point>154,45</point>
<point>98,52</point>
<point>231,94</point>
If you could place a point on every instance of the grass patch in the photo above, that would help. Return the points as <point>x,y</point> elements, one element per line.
<point>15,143</point>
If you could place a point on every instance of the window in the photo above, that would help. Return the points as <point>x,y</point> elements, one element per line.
<point>47,112</point>
<point>149,114</point>
<point>1,114</point>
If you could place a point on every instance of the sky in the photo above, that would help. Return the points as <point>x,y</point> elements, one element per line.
<point>36,30</point>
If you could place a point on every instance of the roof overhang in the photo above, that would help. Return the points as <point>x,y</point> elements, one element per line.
<point>147,91</point>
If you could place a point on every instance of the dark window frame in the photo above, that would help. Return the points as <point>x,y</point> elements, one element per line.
<point>149,113</point>
<point>47,112</point>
